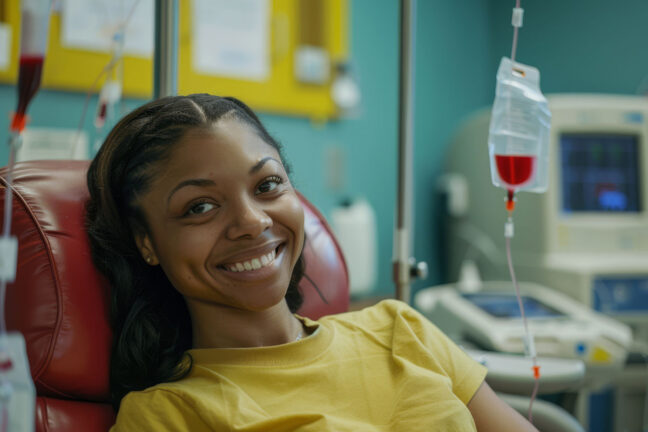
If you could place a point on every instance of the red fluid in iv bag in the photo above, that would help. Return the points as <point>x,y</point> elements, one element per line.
<point>29,78</point>
<point>515,170</point>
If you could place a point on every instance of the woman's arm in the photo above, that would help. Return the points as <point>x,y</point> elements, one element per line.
<point>491,414</point>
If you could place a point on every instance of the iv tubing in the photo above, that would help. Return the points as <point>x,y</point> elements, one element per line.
<point>14,139</point>
<point>112,63</point>
<point>528,338</point>
<point>515,35</point>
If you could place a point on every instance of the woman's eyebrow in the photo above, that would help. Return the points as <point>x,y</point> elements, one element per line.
<point>262,162</point>
<point>190,182</point>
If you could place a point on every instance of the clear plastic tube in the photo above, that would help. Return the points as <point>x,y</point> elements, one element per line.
<point>528,337</point>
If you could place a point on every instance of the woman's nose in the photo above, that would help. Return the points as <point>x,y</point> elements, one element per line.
<point>248,219</point>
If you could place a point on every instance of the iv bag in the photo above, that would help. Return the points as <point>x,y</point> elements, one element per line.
<point>518,138</point>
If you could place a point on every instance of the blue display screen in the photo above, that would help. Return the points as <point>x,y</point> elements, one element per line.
<point>618,295</point>
<point>506,306</point>
<point>600,173</point>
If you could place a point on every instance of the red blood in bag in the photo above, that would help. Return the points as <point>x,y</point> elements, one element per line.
<point>515,170</point>
<point>29,78</point>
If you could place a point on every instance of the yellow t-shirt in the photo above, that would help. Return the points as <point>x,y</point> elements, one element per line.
<point>385,368</point>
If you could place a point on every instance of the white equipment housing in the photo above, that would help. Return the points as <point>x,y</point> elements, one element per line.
<point>561,327</point>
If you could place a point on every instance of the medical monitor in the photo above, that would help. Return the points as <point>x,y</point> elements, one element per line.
<point>598,164</point>
<point>600,172</point>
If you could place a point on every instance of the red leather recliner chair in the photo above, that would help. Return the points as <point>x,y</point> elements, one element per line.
<point>59,302</point>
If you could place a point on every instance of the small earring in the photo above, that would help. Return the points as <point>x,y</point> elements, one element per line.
<point>148,259</point>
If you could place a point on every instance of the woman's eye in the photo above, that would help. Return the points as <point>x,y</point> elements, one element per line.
<point>200,208</point>
<point>269,185</point>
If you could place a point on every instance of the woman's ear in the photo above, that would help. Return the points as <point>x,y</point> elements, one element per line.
<point>145,246</point>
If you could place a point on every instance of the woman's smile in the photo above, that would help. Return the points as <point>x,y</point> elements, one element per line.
<point>225,223</point>
<point>257,268</point>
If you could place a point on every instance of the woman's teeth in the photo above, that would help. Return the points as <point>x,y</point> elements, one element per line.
<point>253,264</point>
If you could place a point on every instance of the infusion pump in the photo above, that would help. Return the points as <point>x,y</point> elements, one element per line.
<point>490,319</point>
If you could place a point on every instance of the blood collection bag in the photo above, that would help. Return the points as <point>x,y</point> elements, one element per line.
<point>33,43</point>
<point>518,138</point>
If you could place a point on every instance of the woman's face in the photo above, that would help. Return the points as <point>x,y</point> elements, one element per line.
<point>223,220</point>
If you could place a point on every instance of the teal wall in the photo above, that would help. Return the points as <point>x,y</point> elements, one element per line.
<point>453,79</point>
<point>597,46</point>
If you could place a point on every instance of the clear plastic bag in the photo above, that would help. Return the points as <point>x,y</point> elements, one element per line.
<point>518,139</point>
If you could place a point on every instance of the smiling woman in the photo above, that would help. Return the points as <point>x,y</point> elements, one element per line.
<point>193,219</point>
<point>224,203</point>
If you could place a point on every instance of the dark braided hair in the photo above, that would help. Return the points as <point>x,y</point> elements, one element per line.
<point>150,319</point>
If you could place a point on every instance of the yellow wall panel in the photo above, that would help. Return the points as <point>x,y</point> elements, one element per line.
<point>281,92</point>
<point>76,70</point>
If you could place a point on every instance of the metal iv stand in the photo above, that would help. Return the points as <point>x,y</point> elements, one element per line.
<point>165,58</point>
<point>405,266</point>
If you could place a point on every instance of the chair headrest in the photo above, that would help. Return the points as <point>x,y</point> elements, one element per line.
<point>60,302</point>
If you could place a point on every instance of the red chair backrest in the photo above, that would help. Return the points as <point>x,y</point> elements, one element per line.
<point>59,302</point>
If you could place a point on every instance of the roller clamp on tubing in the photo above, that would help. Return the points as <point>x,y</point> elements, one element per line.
<point>8,243</point>
<point>8,259</point>
<point>509,228</point>
<point>517,17</point>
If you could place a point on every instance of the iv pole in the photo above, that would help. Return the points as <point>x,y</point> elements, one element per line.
<point>405,267</point>
<point>165,57</point>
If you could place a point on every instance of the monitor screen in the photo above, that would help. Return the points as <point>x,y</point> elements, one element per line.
<point>600,172</point>
<point>506,306</point>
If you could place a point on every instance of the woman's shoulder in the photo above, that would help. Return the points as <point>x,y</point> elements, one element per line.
<point>383,314</point>
<point>384,309</point>
<point>156,408</point>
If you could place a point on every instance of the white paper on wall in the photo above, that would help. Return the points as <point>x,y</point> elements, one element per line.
<point>231,38</point>
<point>5,46</point>
<point>53,143</point>
<point>91,24</point>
